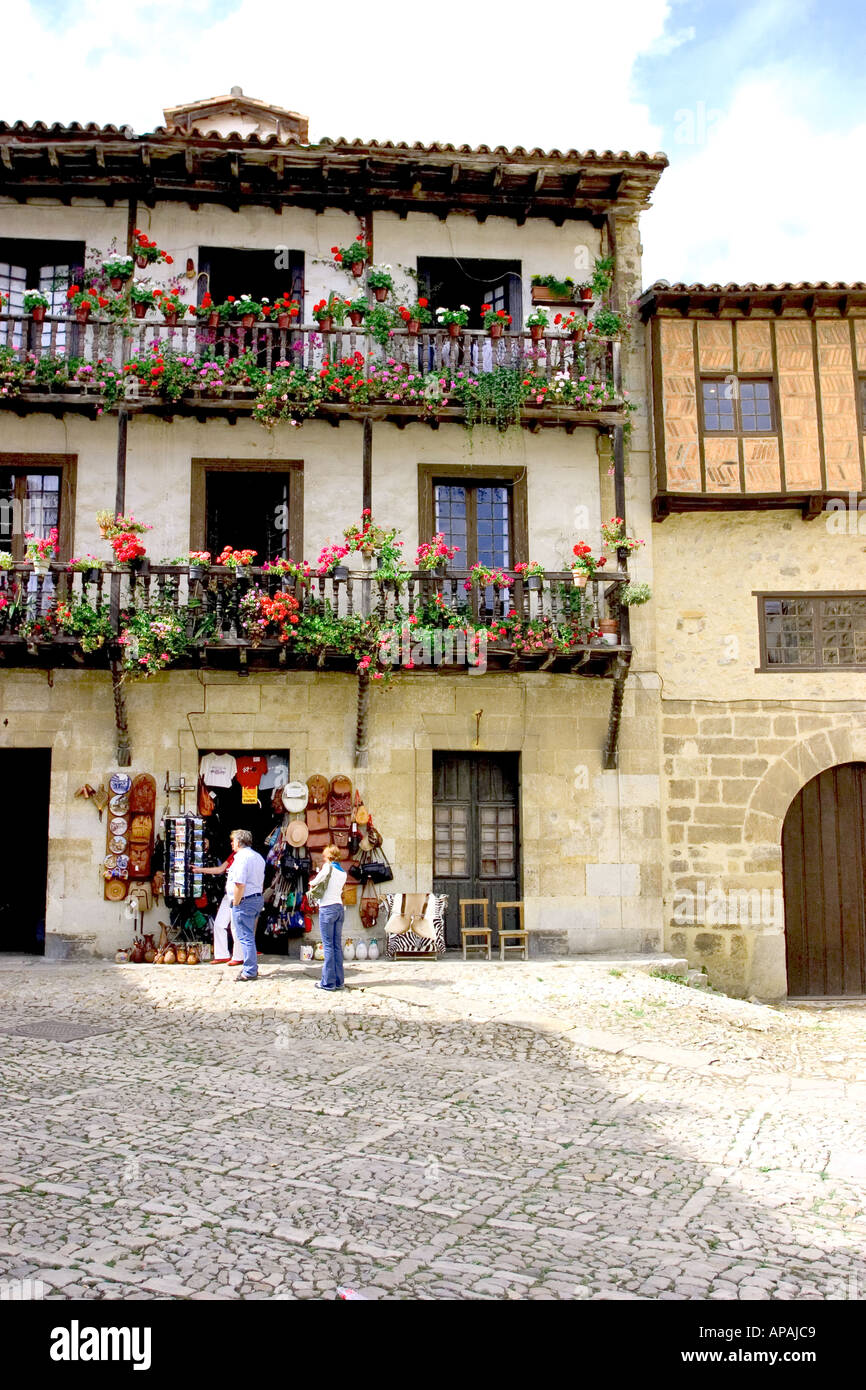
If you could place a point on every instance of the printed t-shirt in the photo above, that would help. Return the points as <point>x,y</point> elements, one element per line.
<point>251,770</point>
<point>217,769</point>
<point>277,774</point>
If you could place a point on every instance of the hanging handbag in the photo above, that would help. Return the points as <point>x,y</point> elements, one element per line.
<point>370,905</point>
<point>205,800</point>
<point>373,867</point>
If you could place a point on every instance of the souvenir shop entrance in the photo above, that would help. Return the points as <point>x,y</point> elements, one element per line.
<point>236,792</point>
<point>26,774</point>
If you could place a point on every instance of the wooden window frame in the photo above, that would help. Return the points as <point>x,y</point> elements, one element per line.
<point>777,668</point>
<point>739,432</point>
<point>199,469</point>
<point>485,475</point>
<point>67,466</point>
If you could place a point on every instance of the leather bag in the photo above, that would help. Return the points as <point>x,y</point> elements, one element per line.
<point>369,905</point>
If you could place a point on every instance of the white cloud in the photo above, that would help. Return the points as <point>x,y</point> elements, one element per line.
<point>460,71</point>
<point>766,197</point>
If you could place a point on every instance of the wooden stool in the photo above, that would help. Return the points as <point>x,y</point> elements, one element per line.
<point>512,938</point>
<point>482,946</point>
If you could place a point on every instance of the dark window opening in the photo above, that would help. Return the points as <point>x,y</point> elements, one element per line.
<point>449,282</point>
<point>225,270</point>
<point>248,510</point>
<point>38,265</point>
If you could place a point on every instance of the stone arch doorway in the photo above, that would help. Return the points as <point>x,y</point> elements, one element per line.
<point>824,871</point>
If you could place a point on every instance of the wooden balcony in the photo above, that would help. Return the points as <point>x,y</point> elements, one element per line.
<point>565,636</point>
<point>51,366</point>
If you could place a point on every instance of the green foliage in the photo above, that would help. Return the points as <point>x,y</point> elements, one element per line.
<point>634,593</point>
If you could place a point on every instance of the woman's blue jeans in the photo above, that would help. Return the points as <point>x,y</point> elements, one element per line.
<point>331,927</point>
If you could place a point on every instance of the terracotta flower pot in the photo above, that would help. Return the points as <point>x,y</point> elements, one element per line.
<point>116,282</point>
<point>139,310</point>
<point>38,314</point>
<point>542,294</point>
<point>357,269</point>
<point>355,318</point>
<point>282,320</point>
<point>213,319</point>
<point>325,324</point>
<point>170,316</point>
<point>579,579</point>
<point>82,313</point>
<point>142,262</point>
<point>247,320</point>
<point>455,329</point>
<point>413,326</point>
<point>578,335</point>
<point>496,330</point>
<point>536,331</point>
<point>381,293</point>
<point>586,294</point>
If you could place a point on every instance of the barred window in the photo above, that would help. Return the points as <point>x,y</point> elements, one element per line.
<point>813,632</point>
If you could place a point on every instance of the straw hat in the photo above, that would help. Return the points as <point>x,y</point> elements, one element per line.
<point>297,833</point>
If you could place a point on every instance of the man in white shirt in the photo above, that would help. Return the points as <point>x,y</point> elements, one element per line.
<point>244,883</point>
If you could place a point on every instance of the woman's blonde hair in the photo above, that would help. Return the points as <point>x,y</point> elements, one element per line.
<point>331,853</point>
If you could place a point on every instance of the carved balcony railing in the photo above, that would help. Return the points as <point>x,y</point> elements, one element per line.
<point>540,623</point>
<point>59,356</point>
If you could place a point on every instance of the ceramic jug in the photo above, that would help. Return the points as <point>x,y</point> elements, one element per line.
<point>149,949</point>
<point>373,949</point>
<point>349,949</point>
<point>361,951</point>
<point>180,953</point>
<point>319,952</point>
<point>121,955</point>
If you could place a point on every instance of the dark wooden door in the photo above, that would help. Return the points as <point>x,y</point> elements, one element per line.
<point>824,862</point>
<point>476,840</point>
<point>26,774</point>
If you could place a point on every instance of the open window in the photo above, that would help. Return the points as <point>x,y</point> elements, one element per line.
<point>225,270</point>
<point>248,504</point>
<point>48,266</point>
<point>449,282</point>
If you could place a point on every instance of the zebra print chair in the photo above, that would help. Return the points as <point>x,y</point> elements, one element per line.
<point>415,925</point>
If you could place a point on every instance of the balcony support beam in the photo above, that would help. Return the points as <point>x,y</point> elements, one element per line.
<point>361,728</point>
<point>124,747</point>
<point>611,746</point>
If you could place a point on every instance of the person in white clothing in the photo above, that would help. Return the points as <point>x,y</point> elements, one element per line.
<point>223,919</point>
<point>331,914</point>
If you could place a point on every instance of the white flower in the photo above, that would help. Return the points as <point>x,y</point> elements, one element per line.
<point>465,306</point>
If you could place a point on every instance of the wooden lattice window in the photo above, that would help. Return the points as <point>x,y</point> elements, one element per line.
<point>450,841</point>
<point>813,632</point>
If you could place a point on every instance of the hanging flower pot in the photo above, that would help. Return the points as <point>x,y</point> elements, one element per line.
<point>355,318</point>
<point>340,572</point>
<point>247,320</point>
<point>142,262</point>
<point>357,269</point>
<point>533,581</point>
<point>116,282</point>
<point>609,628</point>
<point>82,313</point>
<point>578,335</point>
<point>213,319</point>
<point>139,310</point>
<point>579,578</point>
<point>38,314</point>
<point>381,293</point>
<point>455,329</point>
<point>282,320</point>
<point>325,325</point>
<point>586,292</point>
<point>413,326</point>
<point>170,317</point>
<point>90,576</point>
<point>536,331</point>
<point>42,567</point>
<point>197,573</point>
<point>496,330</point>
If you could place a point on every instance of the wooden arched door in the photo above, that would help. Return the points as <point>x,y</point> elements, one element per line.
<point>824,864</point>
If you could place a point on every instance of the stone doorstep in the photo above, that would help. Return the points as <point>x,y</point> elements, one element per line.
<point>645,962</point>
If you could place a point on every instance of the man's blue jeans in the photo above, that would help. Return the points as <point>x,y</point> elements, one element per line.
<point>244,931</point>
<point>331,927</point>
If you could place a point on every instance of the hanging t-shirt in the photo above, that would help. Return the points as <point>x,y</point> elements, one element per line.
<point>251,770</point>
<point>277,774</point>
<point>217,769</point>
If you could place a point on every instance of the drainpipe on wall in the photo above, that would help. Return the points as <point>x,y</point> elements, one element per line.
<point>611,756</point>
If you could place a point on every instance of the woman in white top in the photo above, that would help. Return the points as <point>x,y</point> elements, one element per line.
<point>331,914</point>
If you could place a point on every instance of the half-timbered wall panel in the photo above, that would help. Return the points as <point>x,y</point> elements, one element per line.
<point>798,405</point>
<point>715,347</point>
<point>838,405</point>
<point>682,451</point>
<point>754,348</point>
<point>761,470</point>
<point>721,457</point>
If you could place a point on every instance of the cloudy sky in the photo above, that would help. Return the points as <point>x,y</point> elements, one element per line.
<point>759,104</point>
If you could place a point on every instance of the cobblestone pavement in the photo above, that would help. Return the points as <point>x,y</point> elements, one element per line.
<point>438,1130</point>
